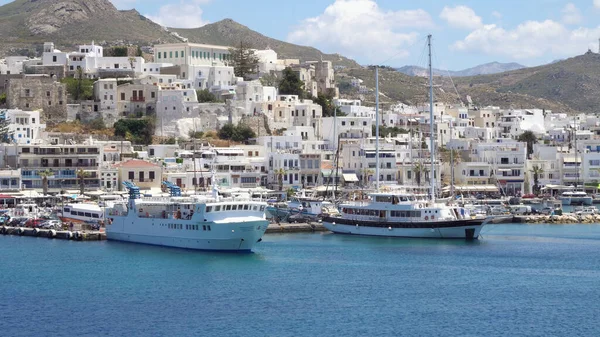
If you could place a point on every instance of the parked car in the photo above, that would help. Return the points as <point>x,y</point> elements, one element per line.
<point>546,210</point>
<point>34,223</point>
<point>51,224</point>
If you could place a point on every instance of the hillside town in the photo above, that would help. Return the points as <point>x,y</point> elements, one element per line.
<point>312,139</point>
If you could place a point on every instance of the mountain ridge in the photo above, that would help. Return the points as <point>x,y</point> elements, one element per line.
<point>481,69</point>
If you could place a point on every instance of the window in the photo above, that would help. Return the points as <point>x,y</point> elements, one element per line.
<point>54,58</point>
<point>122,96</point>
<point>208,209</point>
<point>176,54</point>
<point>159,55</point>
<point>170,54</point>
<point>151,175</point>
<point>131,175</point>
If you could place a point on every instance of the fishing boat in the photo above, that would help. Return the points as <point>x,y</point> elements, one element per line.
<point>405,215</point>
<point>203,222</point>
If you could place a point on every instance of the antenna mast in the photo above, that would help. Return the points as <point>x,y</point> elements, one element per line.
<point>432,134</point>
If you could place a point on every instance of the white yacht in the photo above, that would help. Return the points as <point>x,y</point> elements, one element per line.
<point>197,222</point>
<point>403,215</point>
<point>576,198</point>
<point>302,206</point>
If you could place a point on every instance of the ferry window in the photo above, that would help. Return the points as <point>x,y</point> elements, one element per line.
<point>234,207</point>
<point>228,208</point>
<point>245,207</point>
<point>262,208</point>
<point>418,214</point>
<point>203,227</point>
<point>403,199</point>
<point>217,208</point>
<point>208,209</point>
<point>67,210</point>
<point>95,216</point>
<point>80,213</point>
<point>89,215</point>
<point>383,198</point>
<point>208,227</point>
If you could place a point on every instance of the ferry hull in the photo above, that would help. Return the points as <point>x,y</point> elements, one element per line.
<point>229,237</point>
<point>457,229</point>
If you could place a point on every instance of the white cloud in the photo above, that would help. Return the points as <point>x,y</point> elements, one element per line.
<point>571,14</point>
<point>530,39</point>
<point>360,29</point>
<point>461,17</point>
<point>180,15</point>
<point>597,3</point>
<point>498,15</point>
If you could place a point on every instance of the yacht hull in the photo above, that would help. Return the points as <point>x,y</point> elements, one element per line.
<point>232,237</point>
<point>585,201</point>
<point>456,229</point>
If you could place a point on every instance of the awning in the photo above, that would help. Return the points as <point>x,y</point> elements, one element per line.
<point>4,196</point>
<point>350,177</point>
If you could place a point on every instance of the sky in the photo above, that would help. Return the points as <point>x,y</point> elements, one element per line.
<point>393,32</point>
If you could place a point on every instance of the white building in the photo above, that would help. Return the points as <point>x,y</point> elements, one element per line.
<point>25,126</point>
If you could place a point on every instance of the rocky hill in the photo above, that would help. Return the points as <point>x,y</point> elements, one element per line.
<point>230,33</point>
<point>69,22</point>
<point>571,85</point>
<point>482,69</point>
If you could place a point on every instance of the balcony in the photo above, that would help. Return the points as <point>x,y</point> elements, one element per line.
<point>137,99</point>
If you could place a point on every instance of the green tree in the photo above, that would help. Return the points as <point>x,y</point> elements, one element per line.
<point>3,98</point>
<point>269,80</point>
<point>280,173</point>
<point>81,175</point>
<point>243,60</point>
<point>205,96</point>
<point>97,124</point>
<point>120,51</point>
<point>327,106</point>
<point>45,174</point>
<point>529,138</point>
<point>290,83</point>
<point>239,133</point>
<point>420,170</point>
<point>196,134</point>
<point>537,172</point>
<point>139,131</point>
<point>78,87</point>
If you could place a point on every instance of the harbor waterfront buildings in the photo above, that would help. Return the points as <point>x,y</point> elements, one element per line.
<point>296,145</point>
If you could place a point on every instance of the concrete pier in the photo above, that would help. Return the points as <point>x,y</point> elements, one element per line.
<point>54,234</point>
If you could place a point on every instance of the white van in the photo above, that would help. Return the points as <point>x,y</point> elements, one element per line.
<point>520,209</point>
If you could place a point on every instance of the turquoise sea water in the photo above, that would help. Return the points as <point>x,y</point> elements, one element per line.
<point>536,280</point>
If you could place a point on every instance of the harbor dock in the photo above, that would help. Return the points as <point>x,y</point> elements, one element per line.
<point>285,227</point>
<point>54,234</point>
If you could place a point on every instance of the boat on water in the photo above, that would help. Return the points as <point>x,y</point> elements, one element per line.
<point>406,215</point>
<point>403,215</point>
<point>203,222</point>
<point>304,207</point>
<point>575,198</point>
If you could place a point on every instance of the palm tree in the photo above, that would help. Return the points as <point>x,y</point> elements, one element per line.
<point>366,172</point>
<point>537,171</point>
<point>45,174</point>
<point>279,173</point>
<point>529,138</point>
<point>81,175</point>
<point>420,171</point>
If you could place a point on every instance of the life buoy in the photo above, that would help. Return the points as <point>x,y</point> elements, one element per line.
<point>426,217</point>
<point>420,205</point>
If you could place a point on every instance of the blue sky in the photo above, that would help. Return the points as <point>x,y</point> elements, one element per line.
<point>466,33</point>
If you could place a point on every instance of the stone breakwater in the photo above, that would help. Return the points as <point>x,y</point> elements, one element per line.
<point>54,234</point>
<point>562,219</point>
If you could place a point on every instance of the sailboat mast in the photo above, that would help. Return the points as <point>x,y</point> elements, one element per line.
<point>432,134</point>
<point>377,128</point>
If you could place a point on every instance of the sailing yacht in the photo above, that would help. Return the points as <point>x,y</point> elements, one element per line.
<point>405,215</point>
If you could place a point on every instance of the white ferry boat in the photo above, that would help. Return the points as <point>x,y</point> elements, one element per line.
<point>195,222</point>
<point>402,215</point>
